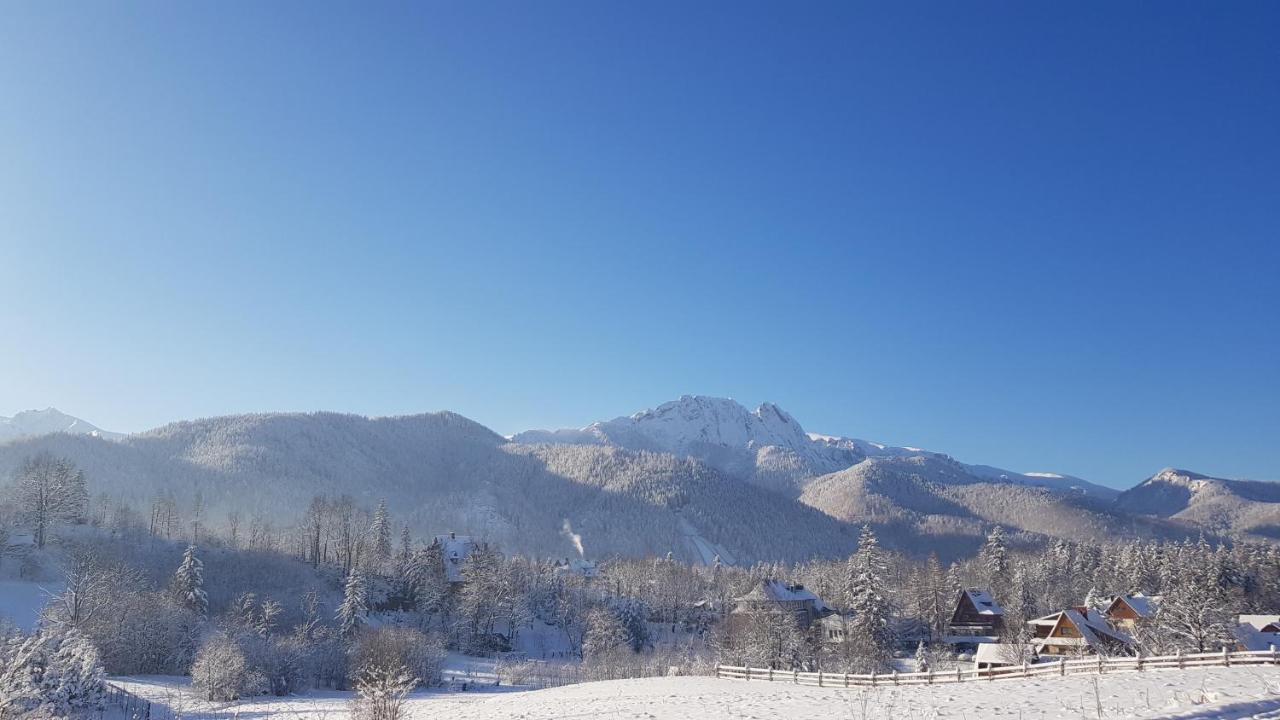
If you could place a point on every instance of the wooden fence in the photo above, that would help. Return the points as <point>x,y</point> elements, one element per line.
<point>1060,667</point>
<point>139,708</point>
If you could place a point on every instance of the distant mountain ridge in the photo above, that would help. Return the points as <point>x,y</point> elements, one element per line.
<point>699,477</point>
<point>767,445</point>
<point>33,423</point>
<point>1247,508</point>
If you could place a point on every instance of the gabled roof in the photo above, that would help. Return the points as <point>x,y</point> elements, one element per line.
<point>998,653</point>
<point>1093,627</point>
<point>777,591</point>
<point>983,602</point>
<point>1254,631</point>
<point>1143,605</point>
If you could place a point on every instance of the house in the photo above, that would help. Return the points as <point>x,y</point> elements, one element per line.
<point>576,566</point>
<point>977,618</point>
<point>773,595</point>
<point>1127,612</point>
<point>1078,631</point>
<point>455,549</point>
<point>831,628</point>
<point>997,655</point>
<point>1258,632</point>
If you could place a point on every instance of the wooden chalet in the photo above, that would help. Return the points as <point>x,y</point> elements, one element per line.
<point>1127,612</point>
<point>1078,631</point>
<point>978,618</point>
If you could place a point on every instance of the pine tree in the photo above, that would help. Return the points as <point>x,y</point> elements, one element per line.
<point>869,636</point>
<point>353,611</point>
<point>994,560</point>
<point>922,658</point>
<point>188,584</point>
<point>381,532</point>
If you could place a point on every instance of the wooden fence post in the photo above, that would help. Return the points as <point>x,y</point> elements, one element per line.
<point>795,676</point>
<point>1099,664</point>
<point>1273,653</point>
<point>846,679</point>
<point>770,673</point>
<point>1179,652</point>
<point>1139,660</point>
<point>1226,657</point>
<point>957,673</point>
<point>1024,667</point>
<point>819,677</point>
<point>895,676</point>
<point>930,676</point>
<point>717,671</point>
<point>873,678</point>
<point>1062,667</point>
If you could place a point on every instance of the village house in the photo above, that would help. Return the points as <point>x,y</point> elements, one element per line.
<point>990,656</point>
<point>455,550</point>
<point>1078,631</point>
<point>1129,612</point>
<point>978,618</point>
<point>1258,632</point>
<point>575,566</point>
<point>773,595</point>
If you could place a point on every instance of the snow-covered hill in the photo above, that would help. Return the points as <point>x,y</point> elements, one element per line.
<point>768,446</point>
<point>32,423</point>
<point>1241,507</point>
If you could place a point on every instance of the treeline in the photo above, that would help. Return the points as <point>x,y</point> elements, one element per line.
<point>347,596</point>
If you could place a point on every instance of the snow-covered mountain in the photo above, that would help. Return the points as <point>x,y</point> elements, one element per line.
<point>1238,507</point>
<point>32,423</point>
<point>768,446</point>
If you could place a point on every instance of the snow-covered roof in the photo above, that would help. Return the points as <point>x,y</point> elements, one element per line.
<point>997,653</point>
<point>1092,625</point>
<point>983,602</point>
<point>456,549</point>
<point>1143,605</point>
<point>778,591</point>
<point>1251,634</point>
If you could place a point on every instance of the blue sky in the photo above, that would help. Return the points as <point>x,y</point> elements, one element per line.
<point>1040,237</point>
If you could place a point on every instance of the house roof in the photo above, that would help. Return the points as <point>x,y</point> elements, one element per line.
<point>983,602</point>
<point>455,549</point>
<point>1143,605</point>
<point>1250,632</point>
<point>1092,625</point>
<point>777,591</point>
<point>997,653</point>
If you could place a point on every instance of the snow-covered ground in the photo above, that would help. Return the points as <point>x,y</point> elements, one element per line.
<point>1203,694</point>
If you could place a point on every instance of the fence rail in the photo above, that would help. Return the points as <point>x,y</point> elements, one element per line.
<point>1061,667</point>
<point>134,707</point>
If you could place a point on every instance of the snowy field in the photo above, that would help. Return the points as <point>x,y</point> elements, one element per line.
<point>1206,694</point>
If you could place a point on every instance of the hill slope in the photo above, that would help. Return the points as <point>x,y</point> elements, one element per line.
<point>1238,507</point>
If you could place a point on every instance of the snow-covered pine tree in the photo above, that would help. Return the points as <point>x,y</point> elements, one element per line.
<point>994,561</point>
<point>381,532</point>
<point>49,674</point>
<point>922,658</point>
<point>354,610</point>
<point>869,635</point>
<point>188,584</point>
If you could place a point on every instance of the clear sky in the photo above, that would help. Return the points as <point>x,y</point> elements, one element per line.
<point>1042,237</point>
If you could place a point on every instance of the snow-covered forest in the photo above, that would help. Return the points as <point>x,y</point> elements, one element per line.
<point>346,595</point>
